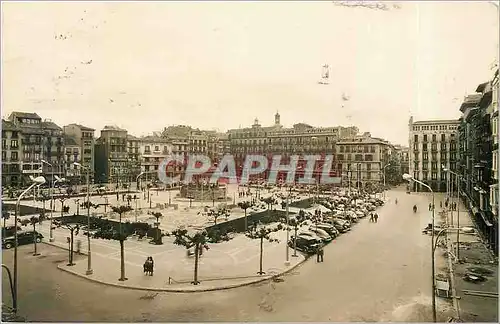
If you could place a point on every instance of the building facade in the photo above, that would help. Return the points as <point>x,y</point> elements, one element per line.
<point>111,155</point>
<point>301,139</point>
<point>26,141</point>
<point>72,154</point>
<point>84,137</point>
<point>433,147</point>
<point>493,110</point>
<point>153,150</point>
<point>361,160</point>
<point>133,165</point>
<point>476,169</point>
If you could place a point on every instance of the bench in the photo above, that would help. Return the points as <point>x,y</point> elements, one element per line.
<point>443,288</point>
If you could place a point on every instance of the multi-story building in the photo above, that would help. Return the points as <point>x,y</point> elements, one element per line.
<point>433,147</point>
<point>26,141</point>
<point>72,154</point>
<point>476,160</point>
<point>133,166</point>
<point>399,164</point>
<point>111,155</point>
<point>301,139</point>
<point>493,110</point>
<point>153,151</point>
<point>84,137</point>
<point>361,160</point>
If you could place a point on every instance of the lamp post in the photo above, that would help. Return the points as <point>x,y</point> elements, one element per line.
<point>52,183</point>
<point>287,260</point>
<point>36,182</point>
<point>410,178</point>
<point>457,178</point>
<point>89,255</point>
<point>384,175</point>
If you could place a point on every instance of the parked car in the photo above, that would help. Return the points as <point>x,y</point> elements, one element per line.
<point>24,237</point>
<point>305,244</point>
<point>10,230</point>
<point>325,237</point>
<point>308,233</point>
<point>330,229</point>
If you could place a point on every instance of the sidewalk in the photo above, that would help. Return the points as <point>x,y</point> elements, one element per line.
<point>225,265</point>
<point>475,259</point>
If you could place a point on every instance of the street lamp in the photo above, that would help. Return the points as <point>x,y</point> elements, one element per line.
<point>408,177</point>
<point>457,181</point>
<point>51,238</point>
<point>388,164</point>
<point>89,255</point>
<point>36,182</point>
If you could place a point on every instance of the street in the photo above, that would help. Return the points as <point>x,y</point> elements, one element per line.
<point>377,272</point>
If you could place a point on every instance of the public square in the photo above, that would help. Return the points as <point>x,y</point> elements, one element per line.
<point>377,272</point>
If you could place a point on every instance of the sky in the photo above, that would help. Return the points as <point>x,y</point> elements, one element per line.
<point>220,65</point>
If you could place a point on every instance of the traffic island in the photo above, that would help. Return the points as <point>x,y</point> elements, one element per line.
<point>161,282</point>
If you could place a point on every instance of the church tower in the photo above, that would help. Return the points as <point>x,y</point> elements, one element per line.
<point>277,119</point>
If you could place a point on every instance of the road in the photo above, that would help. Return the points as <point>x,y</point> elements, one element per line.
<point>376,272</point>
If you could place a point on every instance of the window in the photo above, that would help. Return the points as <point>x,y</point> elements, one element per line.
<point>347,149</point>
<point>425,165</point>
<point>415,138</point>
<point>157,148</point>
<point>13,156</point>
<point>424,176</point>
<point>13,144</point>
<point>368,175</point>
<point>425,156</point>
<point>340,157</point>
<point>443,155</point>
<point>341,149</point>
<point>4,155</point>
<point>425,138</point>
<point>433,156</point>
<point>433,137</point>
<point>434,165</point>
<point>434,175</point>
<point>443,176</point>
<point>443,137</point>
<point>424,147</point>
<point>372,149</point>
<point>443,146</point>
<point>358,157</point>
<point>368,167</point>
<point>368,157</point>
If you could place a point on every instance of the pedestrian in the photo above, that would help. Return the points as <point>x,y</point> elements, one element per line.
<point>430,206</point>
<point>320,253</point>
<point>376,217</point>
<point>371,217</point>
<point>78,246</point>
<point>441,204</point>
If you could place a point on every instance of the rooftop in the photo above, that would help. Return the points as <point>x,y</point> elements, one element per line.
<point>20,114</point>
<point>8,125</point>
<point>113,128</point>
<point>471,101</point>
<point>83,128</point>
<point>436,122</point>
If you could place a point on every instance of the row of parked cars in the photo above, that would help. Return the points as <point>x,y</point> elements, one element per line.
<point>337,218</point>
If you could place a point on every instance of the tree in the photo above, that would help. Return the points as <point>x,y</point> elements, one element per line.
<point>245,205</point>
<point>33,221</point>
<point>110,233</point>
<point>62,198</point>
<point>270,201</point>
<point>43,198</point>
<point>219,212</point>
<point>262,234</point>
<point>158,239</point>
<point>74,229</point>
<point>199,241</point>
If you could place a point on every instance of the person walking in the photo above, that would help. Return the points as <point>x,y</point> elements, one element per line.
<point>375,217</point>
<point>430,206</point>
<point>371,217</point>
<point>320,253</point>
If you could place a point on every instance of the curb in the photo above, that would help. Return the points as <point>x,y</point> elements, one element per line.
<point>267,278</point>
<point>64,248</point>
